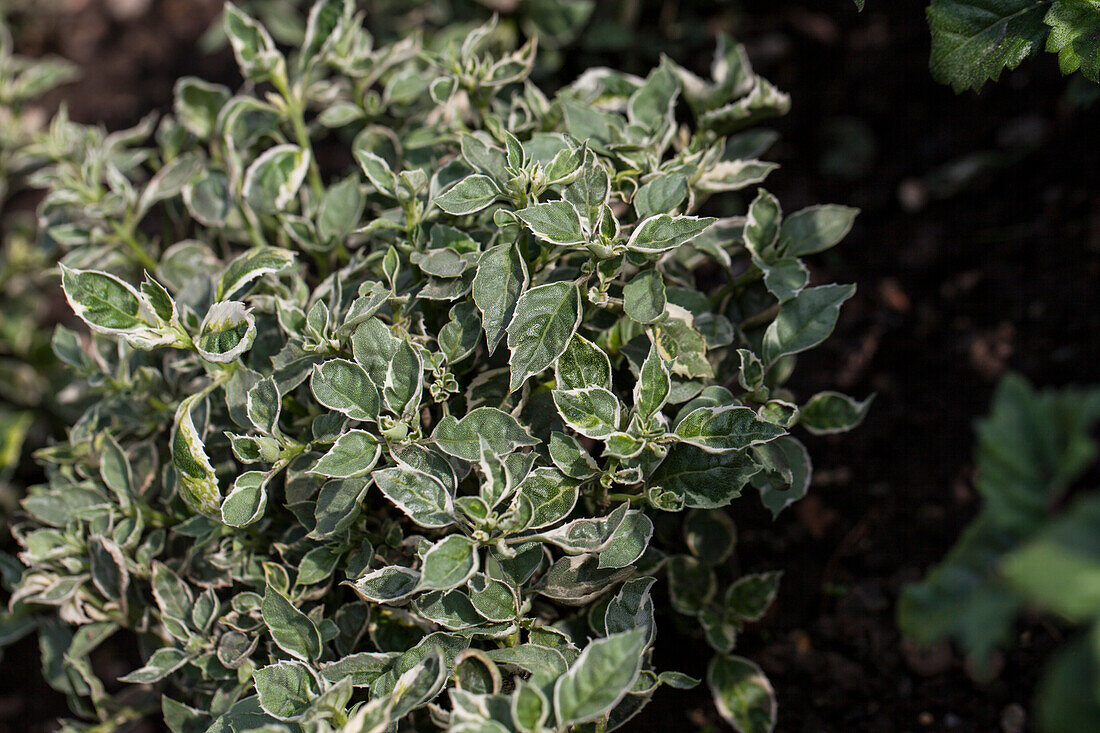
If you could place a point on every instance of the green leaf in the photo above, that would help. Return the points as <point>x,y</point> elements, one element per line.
<point>785,278</point>
<point>208,199</point>
<point>762,224</point>
<point>530,708</point>
<point>114,468</point>
<point>556,222</point>
<point>246,501</point>
<point>252,44</point>
<point>160,664</point>
<point>344,386</point>
<point>734,175</point>
<point>644,297</point>
<point>338,505</point>
<point>226,333</point>
<point>110,574</point>
<point>263,404</point>
<point>292,630</point>
<point>593,412</point>
<point>404,380</point>
<point>654,384</point>
<point>704,480</point>
<point>691,584</point>
<point>586,535</point>
<point>362,667</point>
<point>788,473</point>
<point>815,229</point>
<point>710,535</point>
<point>422,497</point>
<point>286,689</point>
<point>684,348</point>
<point>479,152</point>
<point>105,303</point>
<point>420,684</point>
<point>468,196</point>
<point>353,454</point>
<point>169,181</point>
<point>545,320</point>
<point>831,412</point>
<point>195,477</point>
<point>322,24</point>
<point>462,438</point>
<point>1075,36</point>
<point>965,597</point>
<point>546,496</point>
<point>378,172</point>
<point>500,280</point>
<point>974,40</point>
<point>651,106</point>
<point>387,585</point>
<point>251,265</point>
<point>1066,700</point>
<point>628,541</point>
<point>751,595</point>
<point>582,364</point>
<point>272,181</point>
<point>805,321</point>
<point>449,563</point>
<point>569,457</point>
<point>726,428</point>
<point>1059,569</point>
<point>197,104</point>
<point>763,101</point>
<point>631,608</point>
<point>1031,448</point>
<point>600,678</point>
<point>743,695</point>
<point>661,195</point>
<point>171,594</point>
<point>592,188</point>
<point>663,232</point>
<point>340,210</point>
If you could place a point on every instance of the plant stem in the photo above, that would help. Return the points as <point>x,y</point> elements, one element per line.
<point>126,236</point>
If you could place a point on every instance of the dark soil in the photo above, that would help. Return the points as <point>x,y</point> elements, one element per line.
<point>960,278</point>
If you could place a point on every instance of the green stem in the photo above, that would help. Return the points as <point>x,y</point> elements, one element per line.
<point>126,236</point>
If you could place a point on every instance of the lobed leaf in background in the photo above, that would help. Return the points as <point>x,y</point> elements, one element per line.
<point>1022,551</point>
<point>973,41</point>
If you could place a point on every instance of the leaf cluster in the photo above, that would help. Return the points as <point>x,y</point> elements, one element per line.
<point>973,41</point>
<point>1023,551</point>
<point>25,361</point>
<point>404,377</point>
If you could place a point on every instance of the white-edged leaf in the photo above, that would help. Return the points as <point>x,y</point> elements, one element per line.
<point>664,232</point>
<point>545,320</point>
<point>273,179</point>
<point>600,678</point>
<point>344,386</point>
<point>227,331</point>
<point>195,478</point>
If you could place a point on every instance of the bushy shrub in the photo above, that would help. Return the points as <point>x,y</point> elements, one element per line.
<point>1031,547</point>
<point>405,376</point>
<point>26,363</point>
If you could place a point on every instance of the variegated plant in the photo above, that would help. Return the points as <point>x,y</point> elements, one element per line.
<point>407,383</point>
